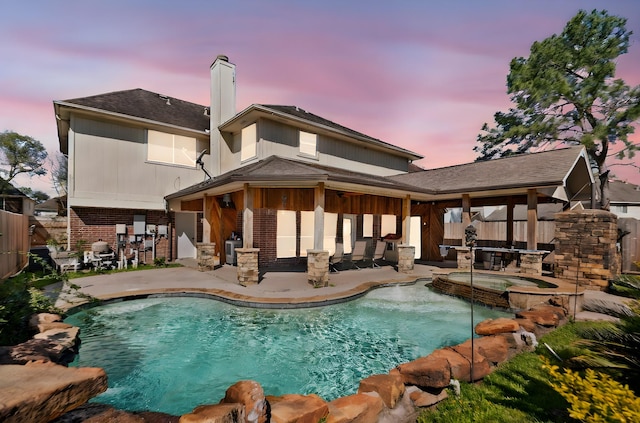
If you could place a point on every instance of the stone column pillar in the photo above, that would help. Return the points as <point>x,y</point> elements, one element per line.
<point>531,263</point>
<point>406,255</point>
<point>318,268</point>
<point>248,273</point>
<point>463,256</point>
<point>207,256</point>
<point>586,251</point>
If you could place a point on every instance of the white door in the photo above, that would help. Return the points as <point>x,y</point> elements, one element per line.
<point>186,233</point>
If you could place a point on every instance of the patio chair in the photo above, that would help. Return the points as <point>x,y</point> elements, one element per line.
<point>378,254</point>
<point>336,258</point>
<point>358,253</point>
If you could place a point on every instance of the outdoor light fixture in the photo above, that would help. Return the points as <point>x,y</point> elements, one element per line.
<point>227,202</point>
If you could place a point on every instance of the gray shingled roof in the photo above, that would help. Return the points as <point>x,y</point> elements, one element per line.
<point>144,104</point>
<point>624,193</point>
<point>275,168</point>
<point>527,170</point>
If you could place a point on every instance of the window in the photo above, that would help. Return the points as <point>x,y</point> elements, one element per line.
<point>367,225</point>
<point>307,224</point>
<point>170,148</point>
<point>415,235</point>
<point>330,226</point>
<point>248,143</point>
<point>308,144</point>
<point>388,225</point>
<point>286,234</point>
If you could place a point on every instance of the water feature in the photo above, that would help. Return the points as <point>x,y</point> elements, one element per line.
<point>172,354</point>
<point>497,281</point>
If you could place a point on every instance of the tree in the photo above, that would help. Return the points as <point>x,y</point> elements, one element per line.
<point>37,195</point>
<point>22,154</point>
<point>565,94</point>
<point>59,174</point>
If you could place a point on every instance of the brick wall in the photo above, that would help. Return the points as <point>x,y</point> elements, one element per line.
<point>91,224</point>
<point>586,249</point>
<point>264,235</point>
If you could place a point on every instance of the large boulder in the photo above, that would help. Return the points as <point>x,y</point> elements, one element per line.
<point>99,413</point>
<point>423,399</point>
<point>542,317</point>
<point>461,364</point>
<point>295,408</point>
<point>495,326</point>
<point>250,394</point>
<point>389,387</point>
<point>494,348</point>
<point>218,413</point>
<point>358,408</point>
<point>41,392</point>
<point>43,318</point>
<point>429,372</point>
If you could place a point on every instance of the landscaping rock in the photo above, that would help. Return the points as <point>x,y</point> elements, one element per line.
<point>541,317</point>
<point>42,318</point>
<point>429,371</point>
<point>67,338</point>
<point>41,392</point>
<point>43,327</point>
<point>358,408</point>
<point>389,387</point>
<point>99,413</point>
<point>495,326</point>
<point>494,348</point>
<point>218,413</point>
<point>250,394</point>
<point>294,408</point>
<point>461,364</point>
<point>526,324</point>
<point>32,350</point>
<point>423,399</point>
<point>155,417</point>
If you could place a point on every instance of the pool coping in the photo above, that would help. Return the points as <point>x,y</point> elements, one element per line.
<point>242,300</point>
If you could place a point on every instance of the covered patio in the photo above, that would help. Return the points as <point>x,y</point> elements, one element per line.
<point>283,212</point>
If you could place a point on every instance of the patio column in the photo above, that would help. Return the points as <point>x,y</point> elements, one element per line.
<point>318,258</point>
<point>532,220</point>
<point>406,219</point>
<point>206,222</point>
<point>318,217</point>
<point>510,207</point>
<point>247,218</point>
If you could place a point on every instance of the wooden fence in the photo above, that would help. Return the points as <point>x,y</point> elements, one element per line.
<point>497,231</point>
<point>14,243</point>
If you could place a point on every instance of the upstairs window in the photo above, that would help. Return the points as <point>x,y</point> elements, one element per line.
<point>171,149</point>
<point>248,143</point>
<point>308,144</point>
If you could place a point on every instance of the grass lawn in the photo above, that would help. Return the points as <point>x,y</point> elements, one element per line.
<point>517,391</point>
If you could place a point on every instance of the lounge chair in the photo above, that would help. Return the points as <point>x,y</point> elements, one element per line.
<point>378,254</point>
<point>358,254</point>
<point>336,258</point>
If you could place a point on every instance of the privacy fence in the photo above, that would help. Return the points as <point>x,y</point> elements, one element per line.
<point>14,243</point>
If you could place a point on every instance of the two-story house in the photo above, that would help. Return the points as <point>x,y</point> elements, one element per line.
<point>277,179</point>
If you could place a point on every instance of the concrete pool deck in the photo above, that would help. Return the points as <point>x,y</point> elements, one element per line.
<point>277,289</point>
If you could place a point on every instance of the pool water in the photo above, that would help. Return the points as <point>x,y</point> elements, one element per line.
<point>173,354</point>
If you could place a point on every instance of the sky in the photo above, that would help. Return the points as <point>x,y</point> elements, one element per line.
<point>423,75</point>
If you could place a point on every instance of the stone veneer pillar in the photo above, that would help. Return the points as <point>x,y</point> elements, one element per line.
<point>248,272</point>
<point>318,268</point>
<point>531,263</point>
<point>463,257</point>
<point>406,256</point>
<point>206,256</point>
<point>585,249</point>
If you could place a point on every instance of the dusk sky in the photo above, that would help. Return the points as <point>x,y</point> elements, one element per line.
<point>421,75</point>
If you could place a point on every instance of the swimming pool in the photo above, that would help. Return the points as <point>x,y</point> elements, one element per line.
<point>173,354</point>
